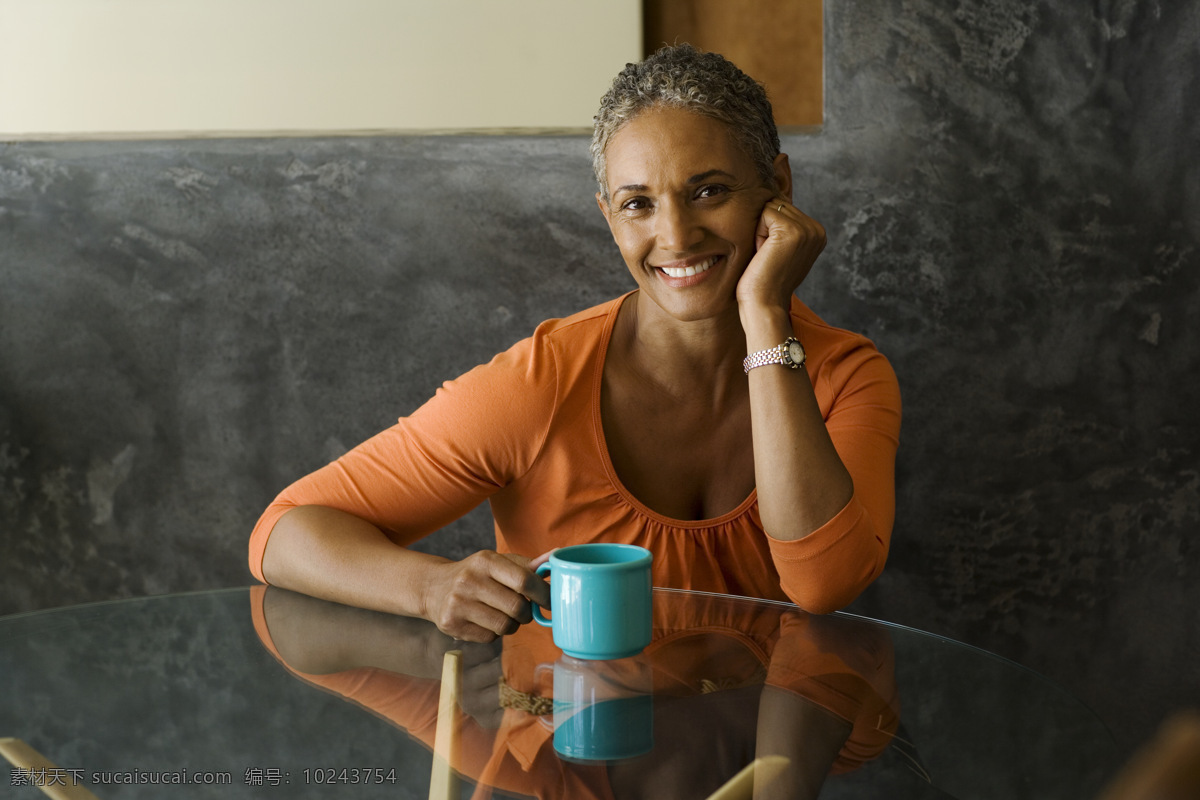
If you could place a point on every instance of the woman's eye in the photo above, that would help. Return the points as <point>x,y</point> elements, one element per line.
<point>634,204</point>
<point>710,191</point>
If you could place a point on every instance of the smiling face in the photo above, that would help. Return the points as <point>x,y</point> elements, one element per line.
<point>684,206</point>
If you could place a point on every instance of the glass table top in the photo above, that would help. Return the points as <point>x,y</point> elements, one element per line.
<point>260,692</point>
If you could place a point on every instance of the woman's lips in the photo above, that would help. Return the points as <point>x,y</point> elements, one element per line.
<point>687,275</point>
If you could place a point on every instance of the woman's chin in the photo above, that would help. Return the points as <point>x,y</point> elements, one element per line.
<point>691,304</point>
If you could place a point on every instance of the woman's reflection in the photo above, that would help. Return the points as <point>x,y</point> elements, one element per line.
<point>723,681</point>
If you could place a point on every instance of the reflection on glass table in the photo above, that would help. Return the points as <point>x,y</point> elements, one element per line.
<point>266,693</point>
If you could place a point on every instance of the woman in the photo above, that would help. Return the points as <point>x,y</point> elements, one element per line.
<point>708,416</point>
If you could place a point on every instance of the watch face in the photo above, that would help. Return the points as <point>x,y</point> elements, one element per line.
<point>795,352</point>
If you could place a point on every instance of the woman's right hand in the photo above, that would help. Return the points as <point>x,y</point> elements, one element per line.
<point>484,596</point>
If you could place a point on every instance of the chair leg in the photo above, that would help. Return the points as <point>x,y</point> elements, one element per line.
<point>42,772</point>
<point>443,781</point>
<point>760,772</point>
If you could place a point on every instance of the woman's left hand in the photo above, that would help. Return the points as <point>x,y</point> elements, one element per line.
<point>788,242</point>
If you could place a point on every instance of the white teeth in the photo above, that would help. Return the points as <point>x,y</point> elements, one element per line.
<point>687,272</point>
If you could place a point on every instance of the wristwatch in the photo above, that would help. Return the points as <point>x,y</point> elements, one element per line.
<point>790,354</point>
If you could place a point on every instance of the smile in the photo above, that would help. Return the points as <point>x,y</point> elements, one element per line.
<point>689,271</point>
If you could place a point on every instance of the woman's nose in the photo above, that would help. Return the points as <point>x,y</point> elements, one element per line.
<point>676,227</point>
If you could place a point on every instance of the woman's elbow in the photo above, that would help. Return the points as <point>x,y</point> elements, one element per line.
<point>822,602</point>
<point>834,589</point>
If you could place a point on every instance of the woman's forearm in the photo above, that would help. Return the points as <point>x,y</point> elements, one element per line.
<point>801,481</point>
<point>337,556</point>
<point>334,555</point>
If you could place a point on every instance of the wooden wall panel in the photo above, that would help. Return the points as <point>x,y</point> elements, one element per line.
<point>778,42</point>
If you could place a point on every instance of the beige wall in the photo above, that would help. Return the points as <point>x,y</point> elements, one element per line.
<point>77,67</point>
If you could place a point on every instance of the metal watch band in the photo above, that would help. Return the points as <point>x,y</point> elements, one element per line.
<point>772,355</point>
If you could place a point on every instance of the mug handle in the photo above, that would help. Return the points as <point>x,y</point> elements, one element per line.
<point>542,571</point>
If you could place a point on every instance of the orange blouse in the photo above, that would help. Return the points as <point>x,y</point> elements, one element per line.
<point>524,432</point>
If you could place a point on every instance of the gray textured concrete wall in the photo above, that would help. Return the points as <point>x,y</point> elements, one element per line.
<point>1012,192</point>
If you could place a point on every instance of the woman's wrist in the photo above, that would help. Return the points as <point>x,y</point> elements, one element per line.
<point>765,324</point>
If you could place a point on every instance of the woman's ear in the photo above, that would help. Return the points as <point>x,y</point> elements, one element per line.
<point>783,176</point>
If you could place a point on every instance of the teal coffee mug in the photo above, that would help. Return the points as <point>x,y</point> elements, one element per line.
<point>599,600</point>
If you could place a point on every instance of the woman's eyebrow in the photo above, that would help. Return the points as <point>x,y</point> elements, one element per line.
<point>692,181</point>
<point>712,173</point>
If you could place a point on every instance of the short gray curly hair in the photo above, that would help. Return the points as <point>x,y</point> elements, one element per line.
<point>681,76</point>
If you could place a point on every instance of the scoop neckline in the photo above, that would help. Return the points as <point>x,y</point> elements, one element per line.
<point>602,442</point>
